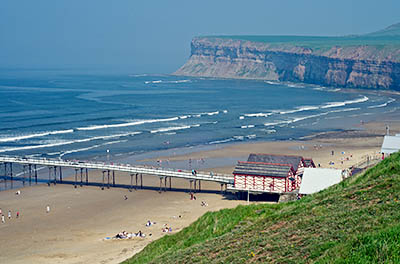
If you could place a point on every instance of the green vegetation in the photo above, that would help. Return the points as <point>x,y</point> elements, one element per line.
<point>389,36</point>
<point>356,221</point>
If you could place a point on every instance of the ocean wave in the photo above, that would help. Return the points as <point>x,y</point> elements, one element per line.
<point>166,129</point>
<point>391,100</point>
<point>63,143</point>
<point>135,123</point>
<point>43,134</point>
<point>258,115</point>
<point>137,75</point>
<point>338,104</point>
<point>299,109</point>
<point>344,110</point>
<point>271,82</point>
<point>225,111</point>
<point>269,131</point>
<point>161,81</point>
<point>213,113</point>
<point>241,117</point>
<point>248,126</point>
<point>91,147</point>
<point>251,136</point>
<point>221,141</point>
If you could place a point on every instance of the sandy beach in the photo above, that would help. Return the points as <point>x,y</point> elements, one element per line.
<point>80,219</point>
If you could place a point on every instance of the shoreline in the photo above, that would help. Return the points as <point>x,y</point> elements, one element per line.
<point>81,218</point>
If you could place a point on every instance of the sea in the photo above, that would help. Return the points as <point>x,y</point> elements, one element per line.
<point>72,115</point>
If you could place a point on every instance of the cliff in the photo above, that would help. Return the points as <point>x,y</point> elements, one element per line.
<point>366,61</point>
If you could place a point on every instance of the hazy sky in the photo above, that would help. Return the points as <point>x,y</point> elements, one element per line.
<point>154,36</point>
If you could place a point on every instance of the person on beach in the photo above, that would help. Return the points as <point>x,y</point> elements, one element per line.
<point>48,209</point>
<point>125,197</point>
<point>3,219</point>
<point>9,214</point>
<point>1,212</point>
<point>17,214</point>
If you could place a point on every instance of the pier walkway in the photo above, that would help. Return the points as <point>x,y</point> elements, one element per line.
<point>29,171</point>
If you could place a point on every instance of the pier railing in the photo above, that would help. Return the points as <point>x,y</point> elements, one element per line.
<point>156,171</point>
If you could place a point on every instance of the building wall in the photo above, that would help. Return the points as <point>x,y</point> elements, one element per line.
<point>261,183</point>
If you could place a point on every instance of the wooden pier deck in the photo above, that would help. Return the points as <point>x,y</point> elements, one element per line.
<point>108,170</point>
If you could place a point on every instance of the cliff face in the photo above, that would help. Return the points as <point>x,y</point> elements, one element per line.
<point>354,66</point>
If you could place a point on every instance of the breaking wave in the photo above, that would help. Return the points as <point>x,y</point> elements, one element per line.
<point>43,134</point>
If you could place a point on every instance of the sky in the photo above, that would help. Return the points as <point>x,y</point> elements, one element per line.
<point>154,36</point>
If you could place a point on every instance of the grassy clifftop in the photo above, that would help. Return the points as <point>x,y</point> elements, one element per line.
<point>356,221</point>
<point>389,36</point>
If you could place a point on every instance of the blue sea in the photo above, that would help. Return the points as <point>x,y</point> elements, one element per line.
<point>70,115</point>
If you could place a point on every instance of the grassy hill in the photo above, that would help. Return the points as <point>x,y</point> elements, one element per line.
<point>356,221</point>
<point>387,36</point>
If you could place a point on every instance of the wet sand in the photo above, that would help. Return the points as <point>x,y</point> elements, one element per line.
<point>80,218</point>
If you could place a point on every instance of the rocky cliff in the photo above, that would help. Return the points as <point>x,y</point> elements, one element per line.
<point>356,62</point>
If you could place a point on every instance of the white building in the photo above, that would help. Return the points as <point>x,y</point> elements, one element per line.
<point>317,179</point>
<point>390,144</point>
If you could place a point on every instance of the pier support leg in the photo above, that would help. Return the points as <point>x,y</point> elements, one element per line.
<point>76,177</point>
<point>160,185</point>
<point>55,175</point>
<point>170,183</point>
<point>130,187</point>
<point>102,187</point>
<point>141,181</point>
<point>49,181</point>
<point>30,173</point>
<point>113,174</point>
<point>81,177</point>
<point>60,174</point>
<point>190,189</point>
<point>87,176</point>
<point>136,181</point>
<point>34,167</point>
<point>108,179</point>
<point>199,185</point>
<point>222,186</point>
<point>195,186</point>
<point>165,184</point>
<point>24,174</point>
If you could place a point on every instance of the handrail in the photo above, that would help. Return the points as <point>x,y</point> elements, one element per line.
<point>158,171</point>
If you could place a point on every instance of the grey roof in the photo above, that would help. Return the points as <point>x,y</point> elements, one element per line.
<point>317,179</point>
<point>390,144</point>
<point>262,169</point>
<point>308,162</point>
<point>278,159</point>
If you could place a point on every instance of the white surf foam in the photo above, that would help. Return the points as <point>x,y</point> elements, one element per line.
<point>338,104</point>
<point>63,143</point>
<point>166,129</point>
<point>42,134</point>
<point>134,123</point>
<point>271,82</point>
<point>258,115</point>
<point>391,100</point>
<point>248,126</point>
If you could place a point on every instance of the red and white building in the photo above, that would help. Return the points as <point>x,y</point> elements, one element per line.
<point>270,173</point>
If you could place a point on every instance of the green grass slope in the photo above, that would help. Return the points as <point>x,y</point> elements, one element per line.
<point>389,36</point>
<point>356,221</point>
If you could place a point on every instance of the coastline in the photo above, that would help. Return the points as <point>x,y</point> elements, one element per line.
<point>80,219</point>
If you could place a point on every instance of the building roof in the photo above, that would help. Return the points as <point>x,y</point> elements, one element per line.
<point>281,159</point>
<point>390,144</point>
<point>308,162</point>
<point>317,179</point>
<point>263,169</point>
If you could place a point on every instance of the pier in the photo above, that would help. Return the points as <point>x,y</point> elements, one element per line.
<point>135,172</point>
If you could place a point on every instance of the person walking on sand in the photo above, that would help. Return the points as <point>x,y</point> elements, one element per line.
<point>17,214</point>
<point>9,214</point>
<point>3,219</point>
<point>48,209</point>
